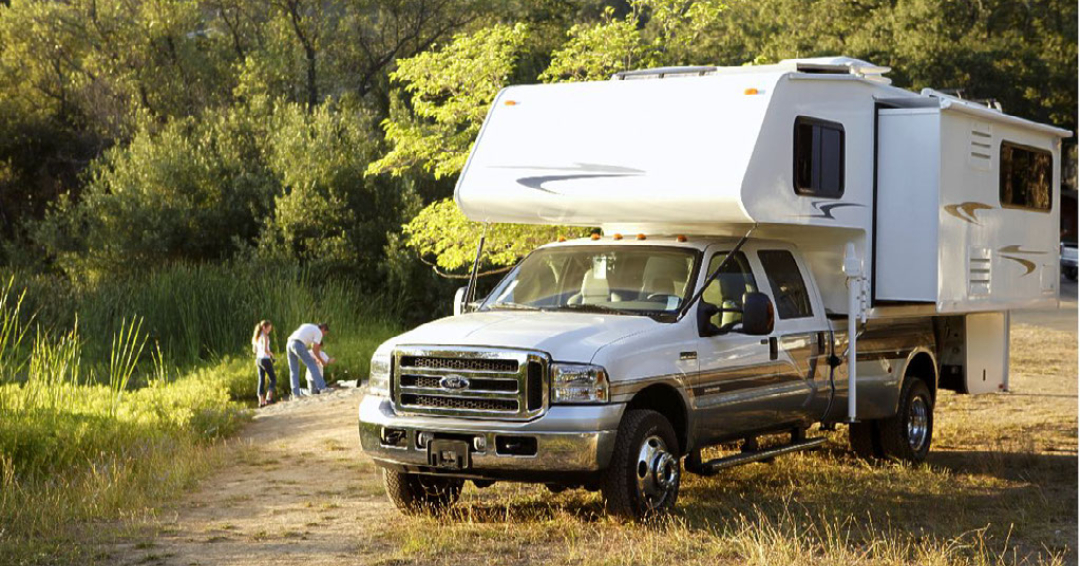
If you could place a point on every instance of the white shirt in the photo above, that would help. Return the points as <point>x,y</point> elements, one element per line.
<point>262,347</point>
<point>307,334</point>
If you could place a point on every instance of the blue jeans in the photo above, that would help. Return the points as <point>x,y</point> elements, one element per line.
<point>266,374</point>
<point>298,353</point>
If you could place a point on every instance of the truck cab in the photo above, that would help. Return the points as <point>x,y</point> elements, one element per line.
<point>539,381</point>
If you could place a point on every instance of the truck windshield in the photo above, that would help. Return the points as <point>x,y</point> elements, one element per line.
<point>632,280</point>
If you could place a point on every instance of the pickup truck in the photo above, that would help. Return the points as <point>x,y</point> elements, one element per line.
<point>610,362</point>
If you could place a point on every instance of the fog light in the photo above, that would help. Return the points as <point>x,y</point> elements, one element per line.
<point>392,436</point>
<point>480,443</point>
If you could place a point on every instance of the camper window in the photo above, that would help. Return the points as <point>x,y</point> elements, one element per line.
<point>788,288</point>
<point>1026,177</point>
<point>819,158</point>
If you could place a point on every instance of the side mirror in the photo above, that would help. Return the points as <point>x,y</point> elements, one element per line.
<point>758,317</point>
<point>705,312</point>
<point>459,300</point>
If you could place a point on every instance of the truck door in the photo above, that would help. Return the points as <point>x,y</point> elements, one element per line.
<point>800,339</point>
<point>730,392</point>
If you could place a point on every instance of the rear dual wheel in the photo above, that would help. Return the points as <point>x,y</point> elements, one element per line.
<point>904,436</point>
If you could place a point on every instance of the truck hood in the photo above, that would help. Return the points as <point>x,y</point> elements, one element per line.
<point>566,336</point>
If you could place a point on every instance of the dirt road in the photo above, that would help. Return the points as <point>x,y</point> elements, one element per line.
<point>298,490</point>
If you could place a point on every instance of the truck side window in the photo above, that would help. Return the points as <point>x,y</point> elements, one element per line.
<point>726,291</point>
<point>819,158</point>
<point>788,287</point>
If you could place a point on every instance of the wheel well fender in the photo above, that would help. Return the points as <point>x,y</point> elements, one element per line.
<point>667,401</point>
<point>921,363</point>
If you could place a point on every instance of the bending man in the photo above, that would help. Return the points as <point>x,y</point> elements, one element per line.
<point>307,336</point>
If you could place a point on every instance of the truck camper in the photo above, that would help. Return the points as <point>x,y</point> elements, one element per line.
<point>779,247</point>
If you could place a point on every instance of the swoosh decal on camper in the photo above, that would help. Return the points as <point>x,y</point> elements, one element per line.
<point>575,171</point>
<point>966,211</point>
<point>825,208</point>
<point>538,182</point>
<point>1015,249</point>
<point>1028,264</point>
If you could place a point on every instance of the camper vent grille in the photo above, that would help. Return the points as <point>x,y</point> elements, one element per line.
<point>979,145</point>
<point>978,271</point>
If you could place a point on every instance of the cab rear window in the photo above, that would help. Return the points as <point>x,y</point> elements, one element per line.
<point>788,287</point>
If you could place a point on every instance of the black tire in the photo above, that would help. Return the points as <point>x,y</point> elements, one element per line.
<point>643,478</point>
<point>414,494</point>
<point>907,435</point>
<point>863,437</point>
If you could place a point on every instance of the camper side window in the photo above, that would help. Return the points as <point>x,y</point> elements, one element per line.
<point>1026,177</point>
<point>788,287</point>
<point>819,158</point>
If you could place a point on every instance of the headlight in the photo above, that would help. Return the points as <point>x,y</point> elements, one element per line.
<point>578,383</point>
<point>379,380</point>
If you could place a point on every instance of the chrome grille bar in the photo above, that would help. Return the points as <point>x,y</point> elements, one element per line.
<point>499,383</point>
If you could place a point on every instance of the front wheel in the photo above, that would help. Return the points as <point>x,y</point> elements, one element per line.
<point>415,493</point>
<point>643,478</point>
<point>906,436</point>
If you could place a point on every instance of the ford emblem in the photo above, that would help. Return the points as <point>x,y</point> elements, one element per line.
<point>454,382</point>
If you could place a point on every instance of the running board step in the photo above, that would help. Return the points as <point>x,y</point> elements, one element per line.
<point>713,466</point>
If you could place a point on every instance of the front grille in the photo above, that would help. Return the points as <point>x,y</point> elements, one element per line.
<point>461,364</point>
<point>470,382</point>
<point>475,383</point>
<point>459,403</point>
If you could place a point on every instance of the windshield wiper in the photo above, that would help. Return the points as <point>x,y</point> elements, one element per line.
<point>514,307</point>
<point>583,307</point>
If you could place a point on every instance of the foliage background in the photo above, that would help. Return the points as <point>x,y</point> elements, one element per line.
<point>327,134</point>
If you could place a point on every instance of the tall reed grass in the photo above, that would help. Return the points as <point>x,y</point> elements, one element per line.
<point>111,393</point>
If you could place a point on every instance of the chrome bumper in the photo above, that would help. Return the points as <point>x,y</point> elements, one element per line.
<point>568,439</point>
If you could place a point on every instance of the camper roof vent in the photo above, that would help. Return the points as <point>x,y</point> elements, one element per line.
<point>840,66</point>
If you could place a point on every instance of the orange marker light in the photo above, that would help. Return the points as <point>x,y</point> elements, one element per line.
<point>617,236</point>
<point>680,238</point>
<point>595,237</point>
<point>641,236</point>
<point>562,239</point>
<point>751,91</point>
<point>514,102</point>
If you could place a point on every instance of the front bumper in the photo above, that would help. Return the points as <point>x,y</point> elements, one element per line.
<point>569,439</point>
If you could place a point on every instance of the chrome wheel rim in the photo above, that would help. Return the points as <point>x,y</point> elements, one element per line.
<point>657,472</point>
<point>918,425</point>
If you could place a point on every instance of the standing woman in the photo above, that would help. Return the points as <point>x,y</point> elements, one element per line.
<point>264,361</point>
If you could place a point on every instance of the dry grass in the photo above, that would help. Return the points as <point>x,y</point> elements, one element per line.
<point>1000,487</point>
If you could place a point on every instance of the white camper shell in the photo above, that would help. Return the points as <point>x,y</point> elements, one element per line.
<point>916,182</point>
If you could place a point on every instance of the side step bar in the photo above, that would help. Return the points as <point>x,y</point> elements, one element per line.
<point>696,466</point>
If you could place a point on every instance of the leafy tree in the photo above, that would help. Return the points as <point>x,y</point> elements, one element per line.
<point>450,92</point>
<point>195,189</point>
<point>596,51</point>
<point>329,214</point>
